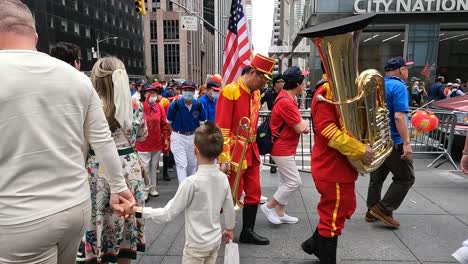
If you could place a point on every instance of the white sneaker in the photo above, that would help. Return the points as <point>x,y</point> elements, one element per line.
<point>153,192</point>
<point>461,255</point>
<point>286,219</point>
<point>263,199</point>
<point>145,193</point>
<point>270,214</point>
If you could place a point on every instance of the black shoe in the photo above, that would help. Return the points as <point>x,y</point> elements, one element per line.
<point>327,249</point>
<point>272,169</point>
<point>250,237</point>
<point>165,165</point>
<point>310,246</point>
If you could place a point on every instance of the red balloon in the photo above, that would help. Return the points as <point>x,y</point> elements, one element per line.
<point>217,78</point>
<point>424,121</point>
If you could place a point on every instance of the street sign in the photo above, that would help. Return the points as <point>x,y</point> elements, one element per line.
<point>189,23</point>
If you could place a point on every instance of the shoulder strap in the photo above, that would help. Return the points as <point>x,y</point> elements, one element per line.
<point>277,134</point>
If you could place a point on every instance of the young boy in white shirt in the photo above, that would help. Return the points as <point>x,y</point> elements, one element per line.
<point>201,196</point>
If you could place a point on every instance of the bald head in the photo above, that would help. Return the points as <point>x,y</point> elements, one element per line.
<point>17,28</point>
<point>16,17</point>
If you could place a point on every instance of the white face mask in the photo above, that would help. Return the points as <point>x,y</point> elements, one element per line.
<point>153,99</point>
<point>215,95</point>
<point>187,95</point>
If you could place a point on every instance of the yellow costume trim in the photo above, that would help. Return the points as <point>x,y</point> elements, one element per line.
<point>335,212</point>
<point>347,145</point>
<point>231,91</point>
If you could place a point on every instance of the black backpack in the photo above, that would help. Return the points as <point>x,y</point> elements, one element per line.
<point>454,92</point>
<point>264,140</point>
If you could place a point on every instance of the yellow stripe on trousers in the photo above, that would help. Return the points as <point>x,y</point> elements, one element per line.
<point>335,212</point>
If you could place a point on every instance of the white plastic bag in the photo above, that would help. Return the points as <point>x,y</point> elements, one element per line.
<point>231,253</point>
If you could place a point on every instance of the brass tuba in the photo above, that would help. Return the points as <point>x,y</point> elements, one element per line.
<point>360,98</point>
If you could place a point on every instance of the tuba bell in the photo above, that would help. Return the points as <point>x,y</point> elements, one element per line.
<point>360,98</point>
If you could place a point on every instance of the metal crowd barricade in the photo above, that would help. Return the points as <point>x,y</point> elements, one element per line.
<point>438,141</point>
<point>303,152</point>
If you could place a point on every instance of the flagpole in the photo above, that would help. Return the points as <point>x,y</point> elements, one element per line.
<point>201,18</point>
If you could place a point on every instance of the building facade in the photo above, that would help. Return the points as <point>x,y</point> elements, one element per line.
<point>172,51</point>
<point>433,34</point>
<point>288,19</point>
<point>87,22</point>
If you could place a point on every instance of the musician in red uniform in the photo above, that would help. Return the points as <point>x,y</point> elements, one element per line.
<point>333,174</point>
<point>236,100</point>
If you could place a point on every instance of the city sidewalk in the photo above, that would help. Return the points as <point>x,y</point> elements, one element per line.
<point>434,223</point>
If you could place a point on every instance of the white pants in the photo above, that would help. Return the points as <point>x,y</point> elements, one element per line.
<point>182,148</point>
<point>150,161</point>
<point>195,256</point>
<point>53,239</point>
<point>290,179</point>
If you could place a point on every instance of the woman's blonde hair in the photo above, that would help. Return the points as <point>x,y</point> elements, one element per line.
<point>101,77</point>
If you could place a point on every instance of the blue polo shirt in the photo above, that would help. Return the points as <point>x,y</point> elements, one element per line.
<point>184,120</point>
<point>209,106</point>
<point>397,101</point>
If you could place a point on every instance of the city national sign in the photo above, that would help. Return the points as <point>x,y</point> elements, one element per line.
<point>409,6</point>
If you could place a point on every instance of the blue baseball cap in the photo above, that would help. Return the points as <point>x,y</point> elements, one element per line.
<point>396,63</point>
<point>293,73</point>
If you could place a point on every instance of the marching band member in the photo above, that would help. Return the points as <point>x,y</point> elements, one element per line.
<point>236,100</point>
<point>333,175</point>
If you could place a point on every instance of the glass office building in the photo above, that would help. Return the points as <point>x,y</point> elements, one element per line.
<point>432,33</point>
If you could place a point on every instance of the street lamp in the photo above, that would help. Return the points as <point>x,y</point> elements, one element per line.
<point>101,40</point>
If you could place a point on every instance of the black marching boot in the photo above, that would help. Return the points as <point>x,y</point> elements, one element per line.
<point>165,165</point>
<point>311,245</point>
<point>327,249</point>
<point>248,235</point>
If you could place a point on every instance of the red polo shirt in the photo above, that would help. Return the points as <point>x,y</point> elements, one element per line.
<point>285,110</point>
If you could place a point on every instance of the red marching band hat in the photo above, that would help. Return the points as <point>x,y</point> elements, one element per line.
<point>263,64</point>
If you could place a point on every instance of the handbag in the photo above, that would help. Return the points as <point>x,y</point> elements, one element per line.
<point>264,139</point>
<point>231,253</point>
<point>144,172</point>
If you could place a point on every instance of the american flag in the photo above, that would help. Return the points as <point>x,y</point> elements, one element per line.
<point>237,48</point>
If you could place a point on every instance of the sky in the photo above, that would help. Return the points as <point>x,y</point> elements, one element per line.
<point>262,24</point>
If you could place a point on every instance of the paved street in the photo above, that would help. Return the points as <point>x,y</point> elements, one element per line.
<point>434,223</point>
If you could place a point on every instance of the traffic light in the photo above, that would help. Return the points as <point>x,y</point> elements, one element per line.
<point>140,7</point>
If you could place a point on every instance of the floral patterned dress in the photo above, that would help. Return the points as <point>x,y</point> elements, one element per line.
<point>109,237</point>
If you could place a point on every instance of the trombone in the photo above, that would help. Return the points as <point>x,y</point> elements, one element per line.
<point>238,157</point>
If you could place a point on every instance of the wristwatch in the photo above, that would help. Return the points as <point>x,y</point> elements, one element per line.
<point>139,212</point>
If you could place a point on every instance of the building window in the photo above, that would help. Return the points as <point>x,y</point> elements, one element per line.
<point>76,28</point>
<point>112,2</point>
<point>120,24</point>
<point>171,29</point>
<point>88,32</point>
<point>126,27</point>
<point>97,14</point>
<point>50,21</point>
<point>156,5</point>
<point>105,17</point>
<point>171,59</point>
<point>89,55</point>
<point>154,58</point>
<point>113,20</point>
<point>64,25</point>
<point>64,3</point>
<point>75,4</point>
<point>153,29</point>
<point>126,8</point>
<point>119,5</point>
<point>169,5</point>
<point>86,9</point>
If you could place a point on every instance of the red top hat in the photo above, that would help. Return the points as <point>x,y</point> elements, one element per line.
<point>157,86</point>
<point>263,64</point>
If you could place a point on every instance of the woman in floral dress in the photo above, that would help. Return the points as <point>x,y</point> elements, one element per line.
<point>110,239</point>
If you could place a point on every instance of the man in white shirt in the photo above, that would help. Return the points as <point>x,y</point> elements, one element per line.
<point>44,189</point>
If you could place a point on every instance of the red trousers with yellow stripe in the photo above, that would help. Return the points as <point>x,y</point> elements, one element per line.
<point>337,203</point>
